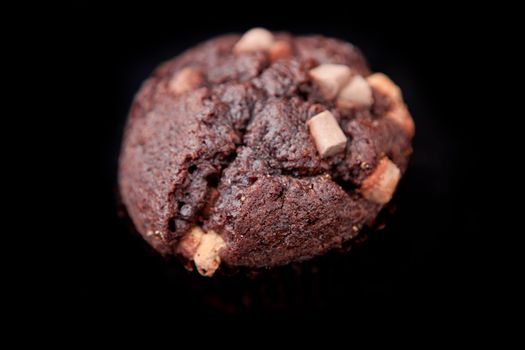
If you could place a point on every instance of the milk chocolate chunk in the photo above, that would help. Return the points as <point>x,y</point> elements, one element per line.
<point>330,78</point>
<point>255,39</point>
<point>185,80</point>
<point>385,85</point>
<point>327,134</point>
<point>356,93</point>
<point>190,242</point>
<point>398,112</point>
<point>279,50</point>
<point>206,258</point>
<point>381,184</point>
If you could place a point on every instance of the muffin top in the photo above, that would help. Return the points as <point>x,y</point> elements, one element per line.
<point>261,149</point>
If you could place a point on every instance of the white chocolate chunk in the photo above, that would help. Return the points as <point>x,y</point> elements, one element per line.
<point>384,85</point>
<point>381,184</point>
<point>254,40</point>
<point>185,80</point>
<point>327,134</point>
<point>207,258</point>
<point>356,93</point>
<point>189,243</point>
<point>330,78</point>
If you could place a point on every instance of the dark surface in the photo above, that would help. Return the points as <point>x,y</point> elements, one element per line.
<point>419,262</point>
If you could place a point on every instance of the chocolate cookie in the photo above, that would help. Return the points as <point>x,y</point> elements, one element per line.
<point>262,149</point>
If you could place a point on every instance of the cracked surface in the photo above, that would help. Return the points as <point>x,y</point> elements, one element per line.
<point>232,153</point>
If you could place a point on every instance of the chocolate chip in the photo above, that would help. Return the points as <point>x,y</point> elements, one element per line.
<point>328,136</point>
<point>330,78</point>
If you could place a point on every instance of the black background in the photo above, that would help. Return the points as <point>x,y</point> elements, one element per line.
<point>420,263</point>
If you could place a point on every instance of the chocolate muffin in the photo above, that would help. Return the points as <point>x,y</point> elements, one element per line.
<point>261,150</point>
